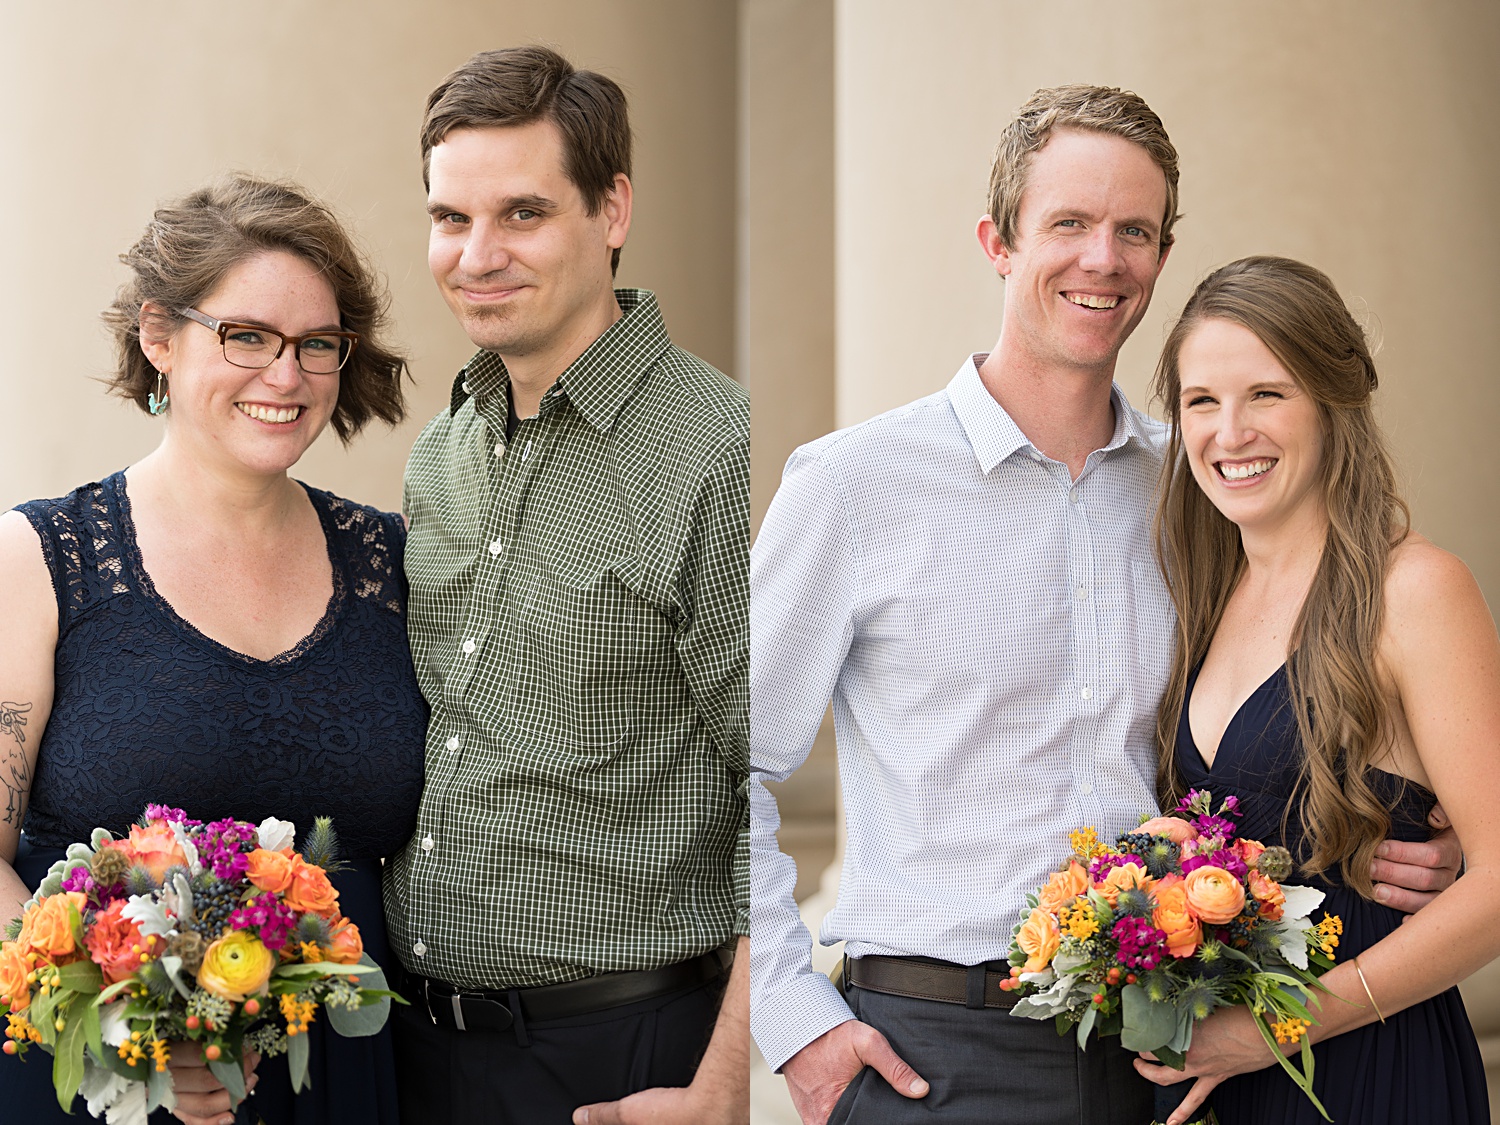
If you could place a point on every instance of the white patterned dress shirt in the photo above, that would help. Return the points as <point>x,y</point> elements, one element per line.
<point>994,636</point>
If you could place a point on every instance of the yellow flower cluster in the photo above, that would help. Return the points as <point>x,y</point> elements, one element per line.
<point>312,952</point>
<point>131,1050</point>
<point>160,1054</point>
<point>1078,921</point>
<point>1085,844</point>
<point>20,1028</point>
<point>1290,1030</point>
<point>1327,933</point>
<point>298,1013</point>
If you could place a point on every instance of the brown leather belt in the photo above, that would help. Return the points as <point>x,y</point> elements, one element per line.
<point>921,978</point>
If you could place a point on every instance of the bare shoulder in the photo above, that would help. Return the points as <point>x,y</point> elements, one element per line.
<point>25,582</point>
<point>1432,599</point>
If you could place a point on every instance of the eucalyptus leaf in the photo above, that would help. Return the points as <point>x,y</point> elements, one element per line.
<point>1086,1025</point>
<point>296,1059</point>
<point>1146,1026</point>
<point>159,1092</point>
<point>231,1076</point>
<point>372,1013</point>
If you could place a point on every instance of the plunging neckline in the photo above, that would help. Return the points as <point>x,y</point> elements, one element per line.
<point>1187,714</point>
<point>154,597</point>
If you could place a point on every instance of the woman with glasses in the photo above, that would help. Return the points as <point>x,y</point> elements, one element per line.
<point>202,631</point>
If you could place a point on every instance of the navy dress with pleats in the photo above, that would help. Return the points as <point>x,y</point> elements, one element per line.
<point>1423,1064</point>
<point>147,709</point>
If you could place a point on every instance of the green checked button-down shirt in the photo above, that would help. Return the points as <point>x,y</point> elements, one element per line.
<point>579,625</point>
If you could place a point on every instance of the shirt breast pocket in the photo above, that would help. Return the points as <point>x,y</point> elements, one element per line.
<point>583,638</point>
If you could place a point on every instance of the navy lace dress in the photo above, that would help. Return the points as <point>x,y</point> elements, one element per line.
<point>1422,1065</point>
<point>148,709</point>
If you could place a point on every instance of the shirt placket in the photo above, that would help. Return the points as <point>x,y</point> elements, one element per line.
<point>1085,687</point>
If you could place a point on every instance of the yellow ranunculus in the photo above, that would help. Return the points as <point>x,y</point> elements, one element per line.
<point>236,966</point>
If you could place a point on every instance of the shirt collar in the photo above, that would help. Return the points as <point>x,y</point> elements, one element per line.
<point>994,435</point>
<point>601,380</point>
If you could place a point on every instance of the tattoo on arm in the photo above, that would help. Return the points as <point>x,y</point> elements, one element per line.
<point>14,775</point>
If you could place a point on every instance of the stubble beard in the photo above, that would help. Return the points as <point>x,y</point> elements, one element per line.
<point>498,330</point>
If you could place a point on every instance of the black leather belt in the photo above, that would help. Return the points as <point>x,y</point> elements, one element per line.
<point>462,1009</point>
<point>922,978</point>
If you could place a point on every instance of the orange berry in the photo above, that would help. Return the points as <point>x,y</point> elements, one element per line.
<point>252,1007</point>
<point>1129,978</point>
<point>10,1047</point>
<point>193,1023</point>
<point>1015,970</point>
<point>211,1052</point>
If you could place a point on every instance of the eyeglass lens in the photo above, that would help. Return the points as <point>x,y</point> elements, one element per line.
<point>258,347</point>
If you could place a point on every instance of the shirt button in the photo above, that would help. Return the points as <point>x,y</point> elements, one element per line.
<point>1087,693</point>
<point>1083,592</point>
<point>499,449</point>
<point>1073,495</point>
<point>496,547</point>
<point>467,389</point>
<point>420,949</point>
<point>452,743</point>
<point>427,842</point>
<point>1036,455</point>
<point>469,647</point>
<point>1086,788</point>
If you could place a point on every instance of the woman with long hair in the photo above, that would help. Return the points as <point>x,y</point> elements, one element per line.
<point>1338,673</point>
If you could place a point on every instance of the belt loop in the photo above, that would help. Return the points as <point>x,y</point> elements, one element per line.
<point>974,994</point>
<point>518,1021</point>
<point>458,1012</point>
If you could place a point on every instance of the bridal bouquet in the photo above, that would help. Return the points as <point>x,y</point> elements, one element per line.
<point>215,933</point>
<point>1144,938</point>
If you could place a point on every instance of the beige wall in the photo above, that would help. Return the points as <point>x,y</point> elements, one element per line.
<point>111,108</point>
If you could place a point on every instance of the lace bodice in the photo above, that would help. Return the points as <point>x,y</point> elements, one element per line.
<point>149,709</point>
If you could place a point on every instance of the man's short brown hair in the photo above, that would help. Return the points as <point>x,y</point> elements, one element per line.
<point>520,85</point>
<point>1095,109</point>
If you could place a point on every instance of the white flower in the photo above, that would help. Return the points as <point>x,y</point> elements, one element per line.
<point>276,834</point>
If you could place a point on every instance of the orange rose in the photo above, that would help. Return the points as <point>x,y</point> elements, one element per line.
<point>1038,939</point>
<point>47,930</point>
<point>1173,918</point>
<point>310,890</point>
<point>1248,850</point>
<point>14,988</point>
<point>1173,828</point>
<point>154,847</point>
<point>1125,877</point>
<point>270,871</point>
<point>347,946</point>
<point>115,943</point>
<point>1214,895</point>
<point>1063,887</point>
<point>1267,892</point>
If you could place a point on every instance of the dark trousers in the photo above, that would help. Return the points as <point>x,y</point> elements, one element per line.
<point>987,1067</point>
<point>490,1078</point>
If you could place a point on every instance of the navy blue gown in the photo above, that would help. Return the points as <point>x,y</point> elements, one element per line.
<point>149,710</point>
<point>1422,1065</point>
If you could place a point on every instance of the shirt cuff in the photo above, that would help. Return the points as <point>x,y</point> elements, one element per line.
<point>796,1013</point>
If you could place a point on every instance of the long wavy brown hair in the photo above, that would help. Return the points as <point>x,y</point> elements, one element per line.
<point>1343,716</point>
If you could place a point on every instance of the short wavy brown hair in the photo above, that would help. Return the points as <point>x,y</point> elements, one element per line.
<point>1094,109</point>
<point>520,85</point>
<point>191,245</point>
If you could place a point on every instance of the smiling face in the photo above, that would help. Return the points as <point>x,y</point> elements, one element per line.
<point>1086,253</point>
<point>513,249</point>
<point>259,420</point>
<point>1253,437</point>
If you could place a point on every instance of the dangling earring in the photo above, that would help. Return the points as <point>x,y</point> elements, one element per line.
<point>157,403</point>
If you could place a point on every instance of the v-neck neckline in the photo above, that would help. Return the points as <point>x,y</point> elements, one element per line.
<point>147,588</point>
<point>1187,718</point>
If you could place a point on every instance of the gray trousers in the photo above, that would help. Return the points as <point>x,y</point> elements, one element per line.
<point>987,1067</point>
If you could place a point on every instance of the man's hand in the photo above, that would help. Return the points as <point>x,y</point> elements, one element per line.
<point>818,1074</point>
<point>201,1098</point>
<point>720,1091</point>
<point>1409,875</point>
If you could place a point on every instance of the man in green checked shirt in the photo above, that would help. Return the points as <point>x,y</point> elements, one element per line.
<point>578,570</point>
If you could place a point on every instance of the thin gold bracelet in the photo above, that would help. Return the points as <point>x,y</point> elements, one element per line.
<point>1369,995</point>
